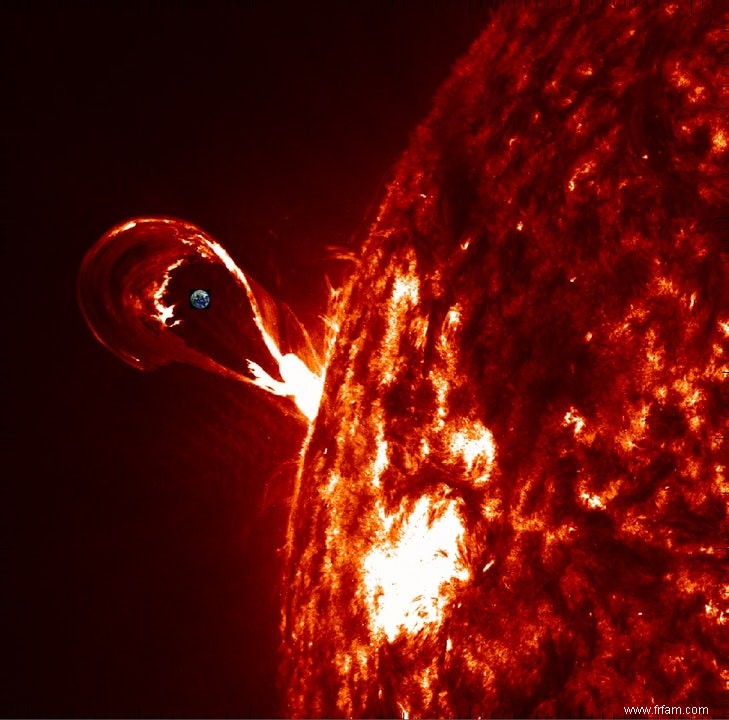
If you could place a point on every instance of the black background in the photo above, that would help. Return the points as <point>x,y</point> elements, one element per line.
<point>139,549</point>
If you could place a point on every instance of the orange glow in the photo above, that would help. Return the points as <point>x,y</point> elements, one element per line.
<point>511,497</point>
<point>513,476</point>
<point>696,94</point>
<point>516,458</point>
<point>138,260</point>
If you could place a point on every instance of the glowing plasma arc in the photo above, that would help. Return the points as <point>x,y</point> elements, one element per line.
<point>127,289</point>
<point>515,480</point>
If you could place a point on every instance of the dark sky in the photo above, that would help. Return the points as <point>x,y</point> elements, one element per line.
<point>138,547</point>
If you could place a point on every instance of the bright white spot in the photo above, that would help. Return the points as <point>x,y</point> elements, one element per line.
<point>488,565</point>
<point>520,226</point>
<point>572,279</point>
<point>713,612</point>
<point>453,318</point>
<point>572,418</point>
<point>406,288</point>
<point>475,445</point>
<point>592,501</point>
<point>332,484</point>
<point>380,461</point>
<point>298,383</point>
<point>449,645</point>
<point>303,385</point>
<point>450,326</point>
<point>406,580</point>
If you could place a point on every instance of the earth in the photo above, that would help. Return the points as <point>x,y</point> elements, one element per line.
<point>200,299</point>
<point>511,499</point>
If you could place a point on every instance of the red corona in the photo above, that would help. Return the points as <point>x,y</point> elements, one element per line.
<point>512,493</point>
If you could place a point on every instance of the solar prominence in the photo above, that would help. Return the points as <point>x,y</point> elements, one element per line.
<point>512,493</point>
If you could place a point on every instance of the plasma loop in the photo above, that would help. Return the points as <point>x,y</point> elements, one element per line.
<point>133,287</point>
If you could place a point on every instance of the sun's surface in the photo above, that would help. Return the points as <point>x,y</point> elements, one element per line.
<point>513,496</point>
<point>511,500</point>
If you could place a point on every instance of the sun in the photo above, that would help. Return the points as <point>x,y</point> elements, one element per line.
<point>511,499</point>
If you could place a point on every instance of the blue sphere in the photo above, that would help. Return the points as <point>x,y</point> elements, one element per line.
<point>199,299</point>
